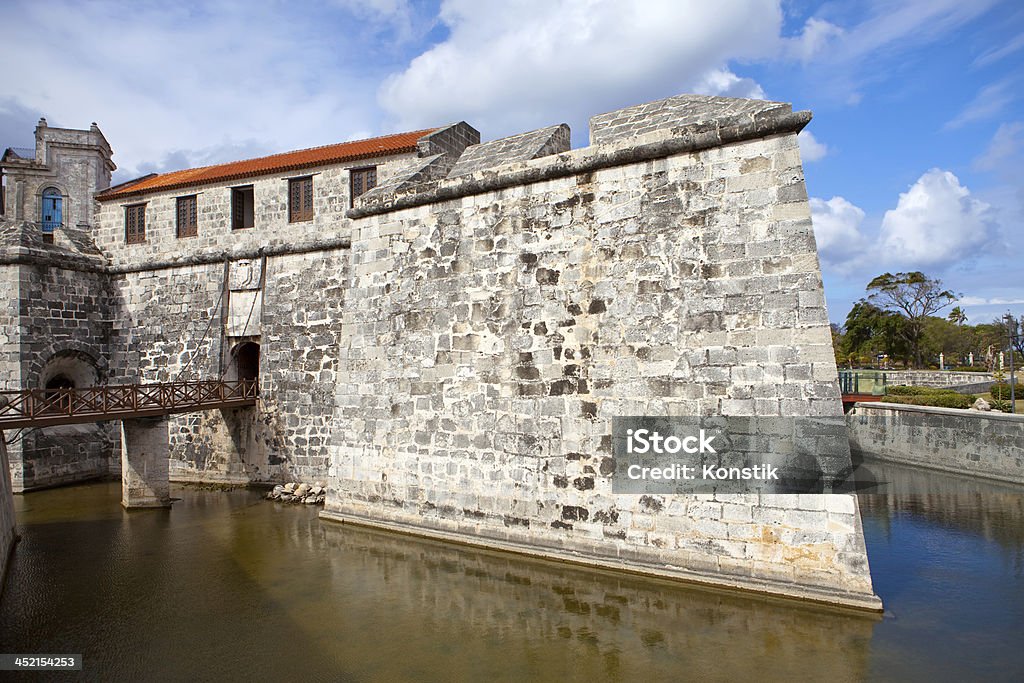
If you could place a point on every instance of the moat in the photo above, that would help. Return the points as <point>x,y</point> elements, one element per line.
<point>227,585</point>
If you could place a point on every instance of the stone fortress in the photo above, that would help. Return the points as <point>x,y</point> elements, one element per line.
<point>443,329</point>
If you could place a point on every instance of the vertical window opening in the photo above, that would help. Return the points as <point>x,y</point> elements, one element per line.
<point>242,208</point>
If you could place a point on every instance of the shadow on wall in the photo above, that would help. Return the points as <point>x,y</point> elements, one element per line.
<point>52,456</point>
<point>235,446</point>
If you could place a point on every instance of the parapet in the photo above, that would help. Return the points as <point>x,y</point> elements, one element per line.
<point>675,125</point>
<point>677,113</point>
<point>522,147</point>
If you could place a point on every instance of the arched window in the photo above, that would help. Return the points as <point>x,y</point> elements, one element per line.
<point>52,216</point>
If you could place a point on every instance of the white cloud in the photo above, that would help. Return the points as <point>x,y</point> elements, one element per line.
<point>837,231</point>
<point>529,63</point>
<point>842,59</point>
<point>994,54</point>
<point>727,84</point>
<point>1005,146</point>
<point>993,301</point>
<point>936,222</point>
<point>817,35</point>
<point>810,148</point>
<point>398,16</point>
<point>166,79</point>
<point>898,26</point>
<point>989,101</point>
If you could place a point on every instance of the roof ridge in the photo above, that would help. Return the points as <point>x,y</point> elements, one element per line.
<point>270,163</point>
<point>296,151</point>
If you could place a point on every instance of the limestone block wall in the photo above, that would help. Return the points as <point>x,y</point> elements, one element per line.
<point>64,328</point>
<point>938,378</point>
<point>10,328</point>
<point>966,442</point>
<point>162,326</point>
<point>492,334</point>
<point>162,319</point>
<point>271,231</point>
<point>302,337</point>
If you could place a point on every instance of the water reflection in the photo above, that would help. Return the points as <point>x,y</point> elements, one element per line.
<point>947,563</point>
<point>991,510</point>
<point>229,586</point>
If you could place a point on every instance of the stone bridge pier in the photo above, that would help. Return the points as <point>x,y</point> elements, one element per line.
<point>144,463</point>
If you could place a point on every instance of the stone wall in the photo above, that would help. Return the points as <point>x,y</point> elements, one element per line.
<point>966,442</point>
<point>938,378</point>
<point>162,319</point>
<point>64,329</point>
<point>497,322</point>
<point>10,328</point>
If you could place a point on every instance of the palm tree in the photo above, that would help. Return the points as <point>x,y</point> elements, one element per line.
<point>957,316</point>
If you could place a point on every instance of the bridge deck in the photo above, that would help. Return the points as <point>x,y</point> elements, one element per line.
<point>47,407</point>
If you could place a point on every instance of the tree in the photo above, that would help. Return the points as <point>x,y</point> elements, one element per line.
<point>957,316</point>
<point>913,295</point>
<point>870,331</point>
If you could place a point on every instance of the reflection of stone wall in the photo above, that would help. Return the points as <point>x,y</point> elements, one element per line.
<point>609,626</point>
<point>989,509</point>
<point>966,442</point>
<point>68,453</point>
<point>6,510</point>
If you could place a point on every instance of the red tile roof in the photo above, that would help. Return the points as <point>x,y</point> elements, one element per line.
<point>275,163</point>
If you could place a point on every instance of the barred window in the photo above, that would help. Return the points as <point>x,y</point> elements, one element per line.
<point>362,180</point>
<point>300,199</point>
<point>135,224</point>
<point>242,208</point>
<point>188,224</point>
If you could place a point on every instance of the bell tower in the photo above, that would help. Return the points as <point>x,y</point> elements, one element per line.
<point>49,190</point>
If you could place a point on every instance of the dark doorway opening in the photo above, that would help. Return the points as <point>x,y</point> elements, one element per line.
<point>58,396</point>
<point>247,361</point>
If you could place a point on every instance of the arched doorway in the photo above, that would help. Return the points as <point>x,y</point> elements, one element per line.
<point>52,213</point>
<point>246,362</point>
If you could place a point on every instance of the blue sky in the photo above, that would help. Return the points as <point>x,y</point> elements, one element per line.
<point>912,159</point>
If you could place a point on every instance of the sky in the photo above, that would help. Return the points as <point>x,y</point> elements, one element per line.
<point>912,160</point>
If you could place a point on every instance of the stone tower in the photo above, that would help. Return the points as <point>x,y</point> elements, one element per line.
<point>54,316</point>
<point>51,188</point>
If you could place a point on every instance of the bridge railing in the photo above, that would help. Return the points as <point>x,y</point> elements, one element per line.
<point>38,407</point>
<point>862,382</point>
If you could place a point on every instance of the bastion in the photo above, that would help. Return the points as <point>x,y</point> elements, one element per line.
<point>443,330</point>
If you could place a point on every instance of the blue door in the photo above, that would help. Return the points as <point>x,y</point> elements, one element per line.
<point>51,210</point>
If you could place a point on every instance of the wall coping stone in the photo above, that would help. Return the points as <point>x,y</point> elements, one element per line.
<point>680,140</point>
<point>933,410</point>
<point>202,259</point>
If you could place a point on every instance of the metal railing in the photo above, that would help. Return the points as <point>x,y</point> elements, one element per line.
<point>43,407</point>
<point>862,382</point>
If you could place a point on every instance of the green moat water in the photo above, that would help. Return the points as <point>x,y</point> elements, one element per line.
<point>227,586</point>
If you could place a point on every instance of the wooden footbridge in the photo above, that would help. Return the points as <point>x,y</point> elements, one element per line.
<point>29,408</point>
